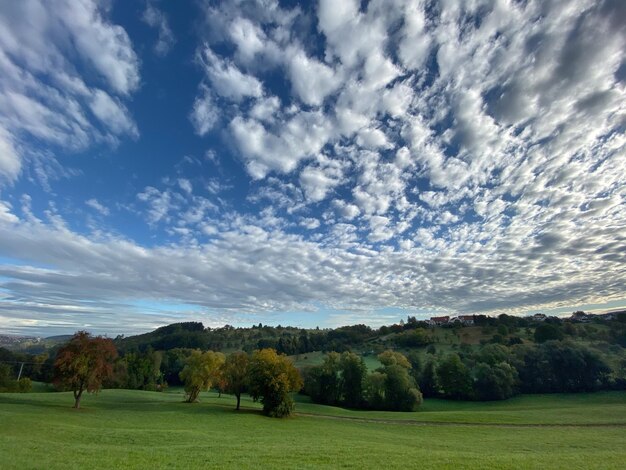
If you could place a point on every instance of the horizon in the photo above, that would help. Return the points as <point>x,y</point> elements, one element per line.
<point>562,315</point>
<point>314,164</point>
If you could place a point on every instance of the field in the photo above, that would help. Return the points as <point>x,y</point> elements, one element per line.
<point>136,429</point>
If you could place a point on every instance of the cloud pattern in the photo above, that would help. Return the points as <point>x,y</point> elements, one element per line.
<point>433,156</point>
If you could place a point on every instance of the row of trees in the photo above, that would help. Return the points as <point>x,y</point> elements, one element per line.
<point>85,363</point>
<point>486,372</point>
<point>497,372</point>
<point>267,376</point>
<point>342,379</point>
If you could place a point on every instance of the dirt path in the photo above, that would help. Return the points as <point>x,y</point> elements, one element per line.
<point>408,422</point>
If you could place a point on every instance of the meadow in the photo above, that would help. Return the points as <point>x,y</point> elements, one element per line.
<point>138,429</point>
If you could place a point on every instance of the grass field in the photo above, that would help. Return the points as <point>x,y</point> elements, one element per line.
<point>135,429</point>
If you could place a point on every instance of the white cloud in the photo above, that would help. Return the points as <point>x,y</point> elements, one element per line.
<point>185,185</point>
<point>310,223</point>
<point>204,114</point>
<point>106,46</point>
<point>155,18</point>
<point>227,80</point>
<point>94,204</point>
<point>248,37</point>
<point>42,45</point>
<point>317,182</point>
<point>282,148</point>
<point>113,114</point>
<point>468,157</point>
<point>312,80</point>
<point>6,216</point>
<point>10,164</point>
<point>345,210</point>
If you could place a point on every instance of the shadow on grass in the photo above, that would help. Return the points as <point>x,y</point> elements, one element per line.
<point>127,402</point>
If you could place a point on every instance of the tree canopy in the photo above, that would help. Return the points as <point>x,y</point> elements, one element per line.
<point>272,378</point>
<point>84,363</point>
<point>235,374</point>
<point>200,372</point>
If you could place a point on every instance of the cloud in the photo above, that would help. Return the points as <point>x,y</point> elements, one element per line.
<point>113,114</point>
<point>112,272</point>
<point>467,157</point>
<point>97,206</point>
<point>204,114</point>
<point>10,163</point>
<point>227,80</point>
<point>312,81</point>
<point>155,18</point>
<point>45,104</point>
<point>6,216</point>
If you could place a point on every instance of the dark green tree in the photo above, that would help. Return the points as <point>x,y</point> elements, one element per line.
<point>546,332</point>
<point>428,380</point>
<point>353,373</point>
<point>495,382</point>
<point>454,378</point>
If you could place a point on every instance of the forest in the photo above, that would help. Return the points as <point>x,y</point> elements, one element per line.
<point>393,367</point>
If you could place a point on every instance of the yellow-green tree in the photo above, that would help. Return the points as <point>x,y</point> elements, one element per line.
<point>235,374</point>
<point>201,371</point>
<point>272,377</point>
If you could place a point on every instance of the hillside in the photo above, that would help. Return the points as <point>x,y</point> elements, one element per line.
<point>136,429</point>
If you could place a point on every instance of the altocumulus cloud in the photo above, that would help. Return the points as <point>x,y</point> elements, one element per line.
<point>441,156</point>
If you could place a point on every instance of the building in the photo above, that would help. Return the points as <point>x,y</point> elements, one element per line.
<point>467,320</point>
<point>439,320</point>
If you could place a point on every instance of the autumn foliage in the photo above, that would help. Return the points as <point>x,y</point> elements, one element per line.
<point>201,372</point>
<point>84,363</point>
<point>272,377</point>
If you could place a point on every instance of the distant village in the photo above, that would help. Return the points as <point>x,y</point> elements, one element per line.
<point>469,320</point>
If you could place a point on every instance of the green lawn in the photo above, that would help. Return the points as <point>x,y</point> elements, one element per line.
<point>134,429</point>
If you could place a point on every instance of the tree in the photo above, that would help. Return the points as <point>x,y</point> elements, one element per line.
<point>353,372</point>
<point>454,378</point>
<point>390,358</point>
<point>235,374</point>
<point>428,380</point>
<point>374,390</point>
<point>323,382</point>
<point>84,363</point>
<point>401,392</point>
<point>495,382</point>
<point>201,371</point>
<point>546,332</point>
<point>272,377</point>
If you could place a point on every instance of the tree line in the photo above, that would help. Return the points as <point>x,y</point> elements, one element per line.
<point>554,356</point>
<point>86,363</point>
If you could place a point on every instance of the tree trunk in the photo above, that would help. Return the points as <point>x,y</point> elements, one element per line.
<point>238,400</point>
<point>77,395</point>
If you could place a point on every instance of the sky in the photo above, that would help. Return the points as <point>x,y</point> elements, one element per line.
<point>308,164</point>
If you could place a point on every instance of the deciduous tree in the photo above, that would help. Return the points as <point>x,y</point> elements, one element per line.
<point>201,371</point>
<point>235,374</point>
<point>454,378</point>
<point>272,378</point>
<point>84,363</point>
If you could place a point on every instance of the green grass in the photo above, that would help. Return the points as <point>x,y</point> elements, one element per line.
<point>134,429</point>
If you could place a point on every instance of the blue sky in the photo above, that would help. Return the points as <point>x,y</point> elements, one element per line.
<point>312,164</point>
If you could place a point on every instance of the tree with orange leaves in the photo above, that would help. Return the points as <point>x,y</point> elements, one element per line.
<point>84,363</point>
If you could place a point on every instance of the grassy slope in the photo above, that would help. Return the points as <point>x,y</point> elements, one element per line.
<point>134,429</point>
